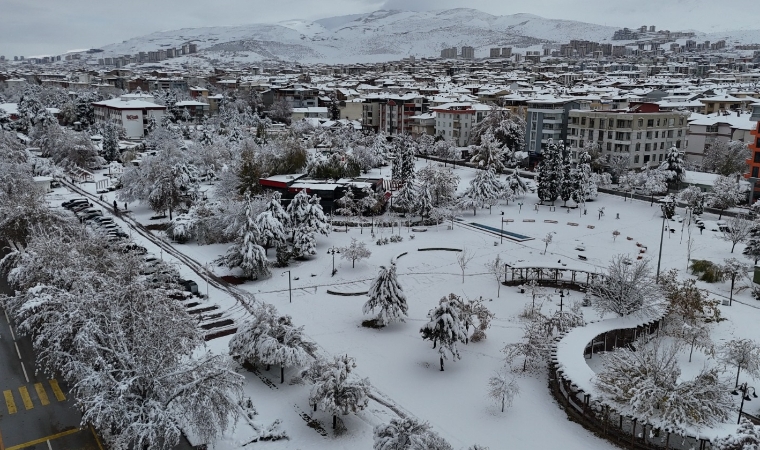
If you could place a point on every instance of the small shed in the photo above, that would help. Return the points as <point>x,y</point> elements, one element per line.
<point>43,182</point>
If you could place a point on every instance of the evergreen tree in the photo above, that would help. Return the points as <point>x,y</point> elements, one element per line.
<point>406,198</point>
<point>403,165</point>
<point>246,253</point>
<point>489,154</point>
<point>278,212</point>
<point>271,230</point>
<point>675,165</point>
<point>752,249</point>
<point>110,143</point>
<point>348,205</point>
<point>485,190</point>
<point>304,243</point>
<point>445,328</point>
<point>425,202</point>
<point>334,107</point>
<point>584,185</point>
<point>550,173</point>
<point>298,210</point>
<point>568,184</point>
<point>386,295</point>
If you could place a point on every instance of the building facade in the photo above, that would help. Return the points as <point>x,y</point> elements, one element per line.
<point>128,113</point>
<point>753,176</point>
<point>547,120</point>
<point>643,133</point>
<point>454,121</point>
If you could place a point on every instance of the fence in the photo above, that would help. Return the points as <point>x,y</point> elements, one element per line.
<point>620,429</point>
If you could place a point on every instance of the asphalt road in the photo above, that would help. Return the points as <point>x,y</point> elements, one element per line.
<point>35,412</point>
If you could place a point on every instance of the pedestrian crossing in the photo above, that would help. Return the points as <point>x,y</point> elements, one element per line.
<point>15,399</point>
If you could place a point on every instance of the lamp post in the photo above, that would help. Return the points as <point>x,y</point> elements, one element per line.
<point>290,290</point>
<point>520,205</point>
<point>562,297</point>
<point>332,251</point>
<point>745,390</point>
<point>207,276</point>
<point>659,256</point>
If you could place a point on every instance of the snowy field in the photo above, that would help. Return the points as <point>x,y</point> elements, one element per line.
<point>402,367</point>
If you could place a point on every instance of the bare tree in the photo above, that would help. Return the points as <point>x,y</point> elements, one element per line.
<point>496,268</point>
<point>503,388</point>
<point>742,353</point>
<point>626,288</point>
<point>463,258</point>
<point>355,252</point>
<point>738,230</point>
<point>547,240</point>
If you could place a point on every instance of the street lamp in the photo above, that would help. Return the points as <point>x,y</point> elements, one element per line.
<point>659,256</point>
<point>745,390</point>
<point>520,205</point>
<point>332,251</point>
<point>290,290</point>
<point>562,297</point>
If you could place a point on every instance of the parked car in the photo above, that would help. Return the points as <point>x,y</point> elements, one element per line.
<point>76,201</point>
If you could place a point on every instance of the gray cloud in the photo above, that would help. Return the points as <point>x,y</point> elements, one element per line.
<point>29,27</point>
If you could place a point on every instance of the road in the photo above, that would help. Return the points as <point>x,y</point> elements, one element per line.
<point>35,412</point>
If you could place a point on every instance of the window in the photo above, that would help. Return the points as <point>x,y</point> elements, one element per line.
<point>591,123</point>
<point>646,159</point>
<point>641,122</point>
<point>609,146</point>
<point>647,147</point>
<point>583,133</point>
<point>609,135</point>
<point>712,129</point>
<point>757,157</point>
<point>671,122</point>
<point>658,122</point>
<point>582,143</point>
<point>649,135</point>
<point>636,159</point>
<point>662,145</point>
<point>656,134</point>
<point>601,123</point>
<point>583,121</point>
<point>661,155</point>
<point>680,121</point>
<point>670,133</point>
<point>574,120</point>
<point>533,125</point>
<point>638,147</point>
<point>678,144</point>
<point>650,123</point>
<point>638,135</point>
<point>754,172</point>
<point>679,133</point>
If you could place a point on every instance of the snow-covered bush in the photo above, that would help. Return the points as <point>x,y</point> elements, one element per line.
<point>626,288</point>
<point>445,328</point>
<point>337,390</point>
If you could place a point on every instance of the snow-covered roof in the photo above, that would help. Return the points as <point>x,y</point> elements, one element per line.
<point>190,103</point>
<point>128,104</point>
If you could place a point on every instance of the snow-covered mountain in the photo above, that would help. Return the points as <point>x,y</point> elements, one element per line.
<point>378,36</point>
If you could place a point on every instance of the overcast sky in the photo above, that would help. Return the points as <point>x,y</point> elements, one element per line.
<point>36,27</point>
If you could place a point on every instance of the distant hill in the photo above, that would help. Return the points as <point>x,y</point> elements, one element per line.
<point>377,36</point>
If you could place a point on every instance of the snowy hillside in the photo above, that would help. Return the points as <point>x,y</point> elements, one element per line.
<point>377,36</point>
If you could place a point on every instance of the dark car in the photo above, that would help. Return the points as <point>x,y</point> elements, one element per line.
<point>75,201</point>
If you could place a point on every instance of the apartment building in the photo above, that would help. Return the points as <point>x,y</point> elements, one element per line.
<point>754,162</point>
<point>706,131</point>
<point>130,111</point>
<point>454,121</point>
<point>547,119</point>
<point>392,114</point>
<point>643,132</point>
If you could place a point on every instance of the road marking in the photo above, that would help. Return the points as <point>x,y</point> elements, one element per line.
<point>41,440</point>
<point>2,447</point>
<point>6,316</point>
<point>57,390</point>
<point>23,367</point>
<point>9,402</point>
<point>97,439</point>
<point>12,335</point>
<point>26,398</point>
<point>18,352</point>
<point>41,394</point>
<point>50,447</point>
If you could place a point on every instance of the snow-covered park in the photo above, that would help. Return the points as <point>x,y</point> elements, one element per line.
<point>403,369</point>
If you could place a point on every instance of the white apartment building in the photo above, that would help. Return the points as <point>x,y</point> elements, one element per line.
<point>643,132</point>
<point>454,121</point>
<point>705,131</point>
<point>129,112</point>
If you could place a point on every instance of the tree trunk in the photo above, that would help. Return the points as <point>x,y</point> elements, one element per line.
<point>692,348</point>
<point>738,369</point>
<point>502,403</point>
<point>335,421</point>
<point>282,373</point>
<point>353,264</point>
<point>732,247</point>
<point>442,364</point>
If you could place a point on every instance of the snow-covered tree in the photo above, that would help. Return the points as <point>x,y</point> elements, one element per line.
<point>547,240</point>
<point>473,313</point>
<point>489,154</point>
<point>271,230</point>
<point>398,434</point>
<point>506,127</point>
<point>746,437</point>
<point>517,184</point>
<point>247,253</point>
<point>674,164</point>
<point>111,150</point>
<point>687,301</point>
<point>484,191</point>
<point>337,391</point>
<point>463,259</point>
<point>646,381</point>
<point>549,177</point>
<point>752,247</point>
<point>445,150</point>
<point>694,199</point>
<point>355,252</point>
<point>502,388</point>
<point>425,202</point>
<point>626,288</point>
<point>403,165</point>
<point>497,269</point>
<point>742,354</point>
<point>387,295</point>
<point>298,209</point>
<point>269,338</point>
<point>445,329</point>
<point>585,185</point>
<point>348,206</point>
<point>725,194</point>
<point>726,157</point>
<point>738,229</point>
<point>534,347</point>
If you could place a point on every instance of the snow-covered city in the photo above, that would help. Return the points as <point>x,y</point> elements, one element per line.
<point>397,229</point>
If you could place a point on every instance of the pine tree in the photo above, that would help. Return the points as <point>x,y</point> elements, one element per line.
<point>425,202</point>
<point>278,212</point>
<point>550,173</point>
<point>334,107</point>
<point>246,253</point>
<point>271,230</point>
<point>675,165</point>
<point>584,186</point>
<point>485,190</point>
<point>348,206</point>
<point>403,165</point>
<point>386,295</point>
<point>445,329</point>
<point>398,434</point>
<point>406,198</point>
<point>111,150</point>
<point>489,154</point>
<point>746,437</point>
<point>298,211</point>
<point>752,249</point>
<point>304,242</point>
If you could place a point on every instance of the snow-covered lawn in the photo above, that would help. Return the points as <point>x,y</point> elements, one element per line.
<point>403,367</point>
